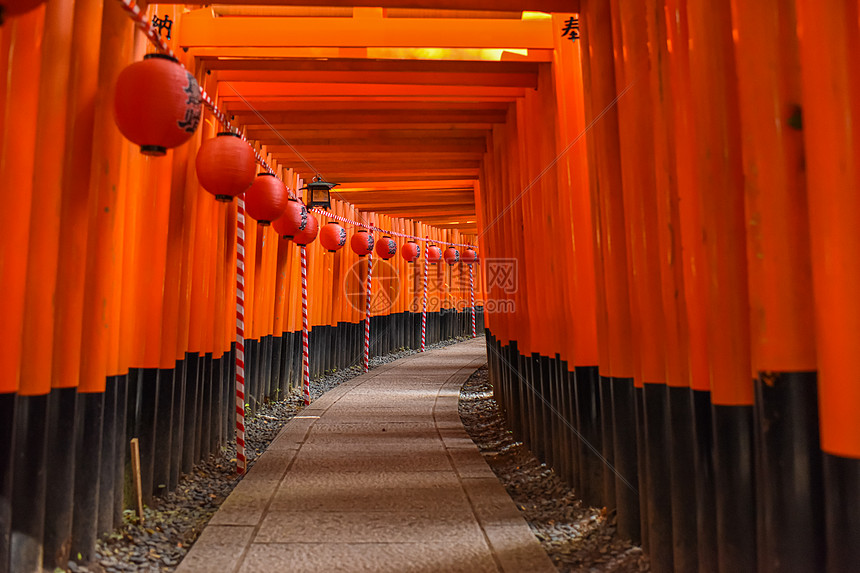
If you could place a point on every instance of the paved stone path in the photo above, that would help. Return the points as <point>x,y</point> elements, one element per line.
<point>377,475</point>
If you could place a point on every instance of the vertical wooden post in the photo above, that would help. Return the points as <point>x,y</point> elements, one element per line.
<point>790,499</point>
<point>829,59</point>
<point>720,185</point>
<point>679,414</point>
<point>17,164</point>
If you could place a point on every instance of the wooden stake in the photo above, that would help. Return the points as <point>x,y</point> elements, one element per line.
<point>135,468</point>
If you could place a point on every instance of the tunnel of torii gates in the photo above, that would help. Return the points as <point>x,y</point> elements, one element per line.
<point>665,202</point>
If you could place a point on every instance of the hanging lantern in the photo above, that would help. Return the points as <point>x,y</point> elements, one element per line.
<point>157,104</point>
<point>411,251</point>
<point>307,236</point>
<point>452,255</point>
<point>17,7</point>
<point>362,243</point>
<point>226,166</point>
<point>434,254</point>
<point>319,193</point>
<point>293,220</point>
<point>386,247</point>
<point>267,198</point>
<point>469,256</point>
<point>333,236</point>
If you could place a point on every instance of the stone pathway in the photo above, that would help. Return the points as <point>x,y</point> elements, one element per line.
<point>377,475</point>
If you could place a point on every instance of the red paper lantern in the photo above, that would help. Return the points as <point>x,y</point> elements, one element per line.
<point>267,198</point>
<point>362,243</point>
<point>17,7</point>
<point>293,220</point>
<point>333,236</point>
<point>226,166</point>
<point>307,236</point>
<point>386,248</point>
<point>411,251</point>
<point>157,104</point>
<point>469,256</point>
<point>434,254</point>
<point>452,255</point>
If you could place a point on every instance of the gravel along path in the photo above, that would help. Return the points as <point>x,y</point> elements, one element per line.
<point>576,538</point>
<point>170,529</point>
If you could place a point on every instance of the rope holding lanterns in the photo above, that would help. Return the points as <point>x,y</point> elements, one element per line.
<point>470,257</point>
<point>306,363</point>
<point>241,460</point>
<point>424,303</point>
<point>367,314</point>
<point>225,166</point>
<point>157,104</point>
<point>472,299</point>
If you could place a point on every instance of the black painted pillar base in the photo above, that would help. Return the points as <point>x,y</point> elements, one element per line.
<point>145,428</point>
<point>568,378</point>
<point>791,500</point>
<point>682,470</point>
<point>132,390</point>
<point>268,389</point>
<point>59,489</point>
<point>120,426</point>
<point>657,462</point>
<point>204,428</point>
<point>277,352</point>
<point>28,482</point>
<point>607,424</point>
<point>842,498</point>
<point>178,422</point>
<point>88,443</point>
<point>537,399</point>
<point>590,483</point>
<point>163,435</point>
<point>734,480</point>
<point>626,457</point>
<point>642,466</point>
<point>706,502</point>
<point>107,469</point>
<point>562,418</point>
<point>189,427</point>
<point>8,402</point>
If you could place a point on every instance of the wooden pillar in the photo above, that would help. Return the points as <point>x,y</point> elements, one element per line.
<point>723,232</point>
<point>829,60</point>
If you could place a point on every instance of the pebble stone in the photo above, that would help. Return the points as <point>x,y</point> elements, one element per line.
<point>576,538</point>
<point>170,529</point>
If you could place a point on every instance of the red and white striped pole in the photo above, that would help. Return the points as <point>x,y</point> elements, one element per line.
<point>241,461</point>
<point>367,314</point>
<point>424,305</point>
<point>306,363</point>
<point>472,298</point>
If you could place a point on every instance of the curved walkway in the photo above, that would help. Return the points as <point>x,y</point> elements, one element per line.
<point>377,475</point>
